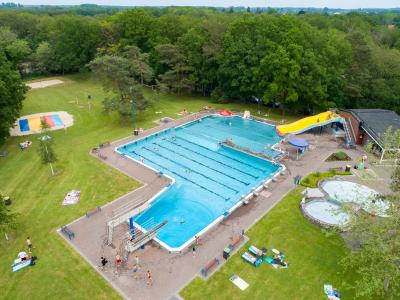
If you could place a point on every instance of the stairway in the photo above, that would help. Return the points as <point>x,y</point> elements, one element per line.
<point>350,142</point>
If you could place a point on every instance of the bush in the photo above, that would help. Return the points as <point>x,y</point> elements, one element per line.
<point>312,180</point>
<point>341,155</point>
<point>338,156</point>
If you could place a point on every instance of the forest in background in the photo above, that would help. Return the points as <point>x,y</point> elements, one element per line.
<point>303,62</point>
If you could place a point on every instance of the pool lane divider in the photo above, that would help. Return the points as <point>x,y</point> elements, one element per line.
<point>217,161</point>
<point>190,169</point>
<point>204,165</point>
<point>227,156</point>
<point>179,175</point>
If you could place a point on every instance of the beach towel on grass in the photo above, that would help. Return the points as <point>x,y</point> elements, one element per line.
<point>239,282</point>
<point>71,198</point>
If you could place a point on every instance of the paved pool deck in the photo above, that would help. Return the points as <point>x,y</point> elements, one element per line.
<point>171,272</point>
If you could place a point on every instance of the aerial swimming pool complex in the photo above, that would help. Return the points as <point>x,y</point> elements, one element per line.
<point>209,178</point>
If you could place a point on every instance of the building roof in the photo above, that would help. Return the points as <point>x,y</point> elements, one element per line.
<point>376,121</point>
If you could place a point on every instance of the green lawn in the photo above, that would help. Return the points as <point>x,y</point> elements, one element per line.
<point>312,256</point>
<point>60,272</point>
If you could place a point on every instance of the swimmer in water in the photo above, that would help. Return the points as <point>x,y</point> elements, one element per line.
<point>182,222</point>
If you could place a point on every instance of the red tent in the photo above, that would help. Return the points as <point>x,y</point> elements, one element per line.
<point>225,113</point>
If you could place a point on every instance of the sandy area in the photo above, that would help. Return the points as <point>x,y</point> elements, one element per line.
<point>44,83</point>
<point>67,119</point>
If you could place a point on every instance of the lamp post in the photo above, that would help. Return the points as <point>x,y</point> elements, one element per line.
<point>133,112</point>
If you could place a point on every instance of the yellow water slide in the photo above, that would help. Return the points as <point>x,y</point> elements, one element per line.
<point>308,123</point>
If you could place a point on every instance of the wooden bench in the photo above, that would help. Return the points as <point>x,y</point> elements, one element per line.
<point>68,232</point>
<point>93,211</point>
<point>235,241</point>
<point>212,263</point>
<point>103,157</point>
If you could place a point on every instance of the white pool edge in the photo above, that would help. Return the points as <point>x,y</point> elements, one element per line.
<point>242,200</point>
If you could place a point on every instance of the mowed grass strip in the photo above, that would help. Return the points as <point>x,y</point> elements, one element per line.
<point>312,256</point>
<point>60,272</point>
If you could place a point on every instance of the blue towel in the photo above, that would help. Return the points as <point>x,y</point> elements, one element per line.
<point>269,260</point>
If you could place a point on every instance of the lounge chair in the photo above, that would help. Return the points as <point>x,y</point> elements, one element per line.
<point>257,252</point>
<point>251,259</point>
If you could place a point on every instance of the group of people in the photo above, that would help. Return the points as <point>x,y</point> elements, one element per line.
<point>24,145</point>
<point>136,267</point>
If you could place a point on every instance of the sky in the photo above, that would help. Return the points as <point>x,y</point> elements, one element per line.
<point>227,3</point>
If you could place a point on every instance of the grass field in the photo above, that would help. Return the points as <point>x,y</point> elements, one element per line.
<point>60,272</point>
<point>311,254</point>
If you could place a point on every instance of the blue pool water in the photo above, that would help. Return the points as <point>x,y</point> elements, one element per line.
<point>210,177</point>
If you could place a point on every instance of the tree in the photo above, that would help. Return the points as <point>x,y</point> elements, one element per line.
<point>139,63</point>
<point>376,262</point>
<point>45,58</point>
<point>45,149</point>
<point>135,27</point>
<point>176,77</point>
<point>8,220</point>
<point>116,75</point>
<point>74,40</point>
<point>16,50</point>
<point>280,73</point>
<point>377,259</point>
<point>12,93</point>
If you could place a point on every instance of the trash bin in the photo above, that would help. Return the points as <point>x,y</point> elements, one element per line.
<point>348,168</point>
<point>226,253</point>
<point>136,132</point>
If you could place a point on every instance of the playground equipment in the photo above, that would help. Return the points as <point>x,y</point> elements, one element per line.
<point>308,123</point>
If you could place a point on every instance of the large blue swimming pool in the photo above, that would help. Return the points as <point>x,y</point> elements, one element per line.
<point>210,178</point>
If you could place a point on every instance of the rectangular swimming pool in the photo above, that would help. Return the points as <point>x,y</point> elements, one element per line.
<point>211,179</point>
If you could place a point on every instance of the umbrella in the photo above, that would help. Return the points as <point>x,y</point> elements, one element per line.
<point>298,142</point>
<point>225,113</point>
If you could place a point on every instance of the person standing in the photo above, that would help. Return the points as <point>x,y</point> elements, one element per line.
<point>137,261</point>
<point>149,278</point>
<point>29,243</point>
<point>104,262</point>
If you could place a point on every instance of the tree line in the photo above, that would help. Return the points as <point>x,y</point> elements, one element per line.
<point>302,62</point>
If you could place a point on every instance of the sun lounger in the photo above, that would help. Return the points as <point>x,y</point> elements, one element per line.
<point>251,259</point>
<point>257,252</point>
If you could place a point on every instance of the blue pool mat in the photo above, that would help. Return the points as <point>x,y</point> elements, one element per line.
<point>57,120</point>
<point>24,125</point>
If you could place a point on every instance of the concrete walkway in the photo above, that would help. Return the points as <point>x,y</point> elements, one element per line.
<point>171,272</point>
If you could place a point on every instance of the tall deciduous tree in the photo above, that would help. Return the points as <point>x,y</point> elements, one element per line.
<point>12,93</point>
<point>377,260</point>
<point>75,40</point>
<point>45,58</point>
